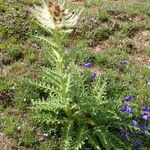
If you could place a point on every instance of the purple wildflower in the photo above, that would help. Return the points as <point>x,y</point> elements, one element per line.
<point>145,116</point>
<point>93,75</point>
<point>143,127</point>
<point>134,123</point>
<point>123,62</point>
<point>143,113</point>
<point>145,108</point>
<point>148,84</point>
<point>148,67</point>
<point>123,132</point>
<point>124,108</point>
<point>138,143</point>
<point>129,109</point>
<point>88,64</point>
<point>128,98</point>
<point>148,118</point>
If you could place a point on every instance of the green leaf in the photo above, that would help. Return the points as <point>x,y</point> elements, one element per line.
<point>52,76</point>
<point>80,137</point>
<point>68,83</point>
<point>66,137</point>
<point>117,143</point>
<point>93,141</point>
<point>49,41</point>
<point>101,133</point>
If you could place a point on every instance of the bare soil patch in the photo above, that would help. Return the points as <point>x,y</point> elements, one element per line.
<point>4,142</point>
<point>100,47</point>
<point>78,3</point>
<point>142,40</point>
<point>140,60</point>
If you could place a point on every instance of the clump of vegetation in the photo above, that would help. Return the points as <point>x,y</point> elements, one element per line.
<point>76,102</point>
<point>79,85</point>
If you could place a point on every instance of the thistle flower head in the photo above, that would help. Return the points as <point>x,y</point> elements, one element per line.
<point>52,15</point>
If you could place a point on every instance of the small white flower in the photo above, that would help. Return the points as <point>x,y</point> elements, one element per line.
<point>18,128</point>
<point>53,15</point>
<point>45,134</point>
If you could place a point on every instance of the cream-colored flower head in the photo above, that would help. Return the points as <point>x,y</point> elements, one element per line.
<point>53,15</point>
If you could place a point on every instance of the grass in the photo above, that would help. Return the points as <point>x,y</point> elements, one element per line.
<point>108,31</point>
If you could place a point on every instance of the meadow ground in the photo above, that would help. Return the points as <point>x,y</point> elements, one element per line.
<point>113,34</point>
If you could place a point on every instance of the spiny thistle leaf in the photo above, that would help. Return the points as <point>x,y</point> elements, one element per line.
<point>101,133</point>
<point>93,140</point>
<point>66,138</point>
<point>52,76</point>
<point>80,137</point>
<point>116,142</point>
<point>49,41</point>
<point>52,104</point>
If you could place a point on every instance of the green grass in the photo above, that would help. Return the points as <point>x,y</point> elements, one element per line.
<point>114,22</point>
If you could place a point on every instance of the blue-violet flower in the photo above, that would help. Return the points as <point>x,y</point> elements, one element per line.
<point>126,108</point>
<point>93,75</point>
<point>128,98</point>
<point>134,123</point>
<point>143,127</point>
<point>123,62</point>
<point>145,108</point>
<point>145,116</point>
<point>148,84</point>
<point>138,143</point>
<point>88,64</point>
<point>129,109</point>
<point>123,132</point>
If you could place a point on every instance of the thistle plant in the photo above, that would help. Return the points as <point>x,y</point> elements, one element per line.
<point>55,80</point>
<point>75,104</point>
